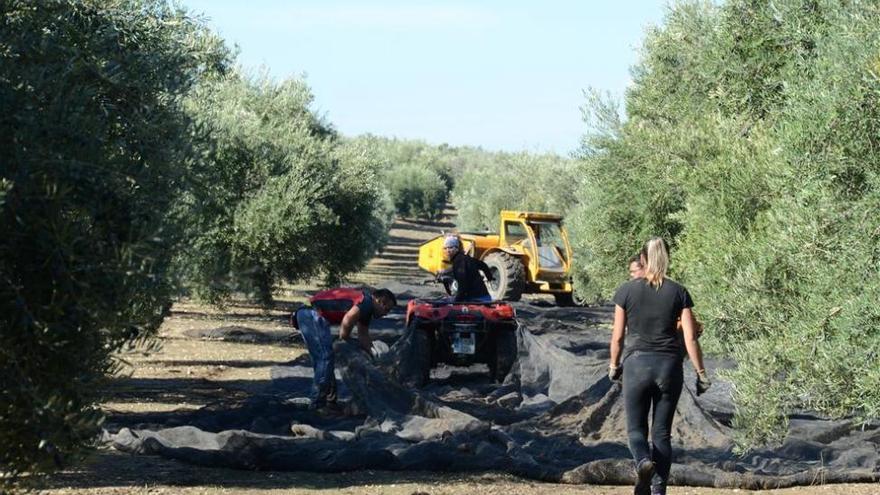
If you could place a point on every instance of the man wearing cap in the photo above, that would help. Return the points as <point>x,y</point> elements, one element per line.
<point>466,272</point>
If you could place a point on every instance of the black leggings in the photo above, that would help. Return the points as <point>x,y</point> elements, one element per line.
<point>652,381</point>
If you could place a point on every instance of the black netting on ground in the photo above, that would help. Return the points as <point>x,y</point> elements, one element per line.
<point>556,417</point>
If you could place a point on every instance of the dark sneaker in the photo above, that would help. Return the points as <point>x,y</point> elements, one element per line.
<point>658,490</point>
<point>644,473</point>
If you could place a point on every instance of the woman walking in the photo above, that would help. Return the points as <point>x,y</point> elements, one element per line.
<point>645,314</point>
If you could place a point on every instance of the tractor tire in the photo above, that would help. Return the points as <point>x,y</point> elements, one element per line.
<point>509,274</point>
<point>565,299</point>
<point>505,355</point>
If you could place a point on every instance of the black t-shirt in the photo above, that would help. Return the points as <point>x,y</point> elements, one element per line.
<point>466,271</point>
<point>651,314</point>
<point>366,308</point>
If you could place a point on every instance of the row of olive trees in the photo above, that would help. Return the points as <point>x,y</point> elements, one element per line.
<point>136,163</point>
<point>750,143</point>
<point>93,153</point>
<point>513,181</point>
<point>418,176</point>
<point>421,179</point>
<point>277,196</point>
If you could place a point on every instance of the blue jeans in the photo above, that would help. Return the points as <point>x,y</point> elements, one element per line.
<point>319,341</point>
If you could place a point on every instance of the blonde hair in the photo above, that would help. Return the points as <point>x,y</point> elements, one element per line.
<point>657,261</point>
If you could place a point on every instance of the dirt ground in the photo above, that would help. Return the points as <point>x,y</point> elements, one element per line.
<point>189,372</point>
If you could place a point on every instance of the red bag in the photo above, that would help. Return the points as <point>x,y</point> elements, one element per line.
<point>332,304</point>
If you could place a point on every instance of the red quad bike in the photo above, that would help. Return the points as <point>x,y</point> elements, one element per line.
<point>461,334</point>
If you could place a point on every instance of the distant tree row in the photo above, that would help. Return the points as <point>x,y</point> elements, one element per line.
<point>514,181</point>
<point>422,178</point>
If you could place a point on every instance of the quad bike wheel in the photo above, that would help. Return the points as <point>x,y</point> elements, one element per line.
<point>505,355</point>
<point>420,355</point>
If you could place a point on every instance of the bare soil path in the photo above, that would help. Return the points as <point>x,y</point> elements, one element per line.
<point>189,372</point>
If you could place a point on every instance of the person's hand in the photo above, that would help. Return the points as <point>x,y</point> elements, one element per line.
<point>703,382</point>
<point>447,281</point>
<point>614,372</point>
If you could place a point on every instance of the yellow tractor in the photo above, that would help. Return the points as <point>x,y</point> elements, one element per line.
<point>530,254</point>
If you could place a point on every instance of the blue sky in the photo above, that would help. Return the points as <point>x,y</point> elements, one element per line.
<point>504,75</point>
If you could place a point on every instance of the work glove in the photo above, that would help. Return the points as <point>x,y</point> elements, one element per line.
<point>444,275</point>
<point>379,349</point>
<point>447,281</point>
<point>615,372</point>
<point>703,382</point>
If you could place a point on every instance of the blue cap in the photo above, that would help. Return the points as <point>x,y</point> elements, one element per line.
<point>451,241</point>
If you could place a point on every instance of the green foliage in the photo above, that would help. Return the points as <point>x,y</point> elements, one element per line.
<point>93,146</point>
<point>508,180</point>
<point>416,191</point>
<point>280,199</point>
<point>751,144</point>
<point>514,181</point>
<point>418,176</point>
